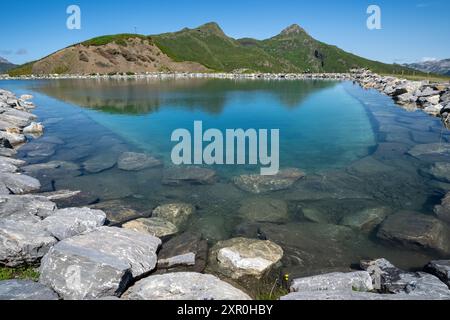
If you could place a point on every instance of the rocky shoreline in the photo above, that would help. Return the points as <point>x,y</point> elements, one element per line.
<point>80,257</point>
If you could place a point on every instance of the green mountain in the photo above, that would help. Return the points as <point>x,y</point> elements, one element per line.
<point>204,48</point>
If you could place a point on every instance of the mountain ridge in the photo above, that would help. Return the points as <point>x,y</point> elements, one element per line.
<point>434,66</point>
<point>5,65</point>
<point>206,48</point>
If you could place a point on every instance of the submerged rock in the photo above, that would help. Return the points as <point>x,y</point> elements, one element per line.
<point>131,161</point>
<point>186,252</point>
<point>118,211</point>
<point>100,163</point>
<point>417,231</point>
<point>23,243</point>
<point>176,213</point>
<point>25,290</point>
<point>443,210</point>
<point>70,199</point>
<point>176,176</point>
<point>432,149</point>
<point>98,264</point>
<point>184,286</point>
<point>157,227</point>
<point>66,223</point>
<point>264,210</point>
<point>441,171</point>
<point>241,257</point>
<point>258,184</point>
<point>366,220</point>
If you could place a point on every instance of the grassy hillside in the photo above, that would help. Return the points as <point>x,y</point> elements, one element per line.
<point>293,50</point>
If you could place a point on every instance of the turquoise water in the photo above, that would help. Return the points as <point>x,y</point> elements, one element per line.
<point>351,143</point>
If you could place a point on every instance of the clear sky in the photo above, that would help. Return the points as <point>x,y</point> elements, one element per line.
<point>411,29</point>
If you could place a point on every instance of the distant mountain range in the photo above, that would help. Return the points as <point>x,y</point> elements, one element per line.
<point>432,66</point>
<point>5,65</point>
<point>206,48</point>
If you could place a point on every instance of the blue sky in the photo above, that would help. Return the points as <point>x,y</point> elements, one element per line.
<point>411,29</point>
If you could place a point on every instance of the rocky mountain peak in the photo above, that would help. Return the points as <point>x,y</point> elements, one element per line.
<point>292,30</point>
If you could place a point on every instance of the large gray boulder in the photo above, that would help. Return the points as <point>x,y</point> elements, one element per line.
<point>240,257</point>
<point>98,264</point>
<point>25,290</point>
<point>19,183</point>
<point>259,184</point>
<point>338,295</point>
<point>23,242</point>
<point>69,222</point>
<point>391,280</point>
<point>184,286</point>
<point>25,207</point>
<point>352,281</point>
<point>176,213</point>
<point>9,164</point>
<point>132,161</point>
<point>417,231</point>
<point>441,269</point>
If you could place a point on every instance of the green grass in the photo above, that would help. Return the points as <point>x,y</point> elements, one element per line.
<point>119,39</point>
<point>418,76</point>
<point>25,273</point>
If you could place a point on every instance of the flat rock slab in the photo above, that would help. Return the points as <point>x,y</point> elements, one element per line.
<point>98,264</point>
<point>441,269</point>
<point>19,183</point>
<point>23,243</point>
<point>263,209</point>
<point>258,184</point>
<point>239,257</point>
<point>352,281</point>
<point>157,227</point>
<point>100,163</point>
<point>417,231</point>
<point>431,150</point>
<point>39,149</point>
<point>25,290</point>
<point>131,161</point>
<point>176,176</point>
<point>25,207</point>
<point>184,286</point>
<point>66,223</point>
<point>176,213</point>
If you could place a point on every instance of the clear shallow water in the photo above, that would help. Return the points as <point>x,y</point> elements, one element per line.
<point>352,144</point>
